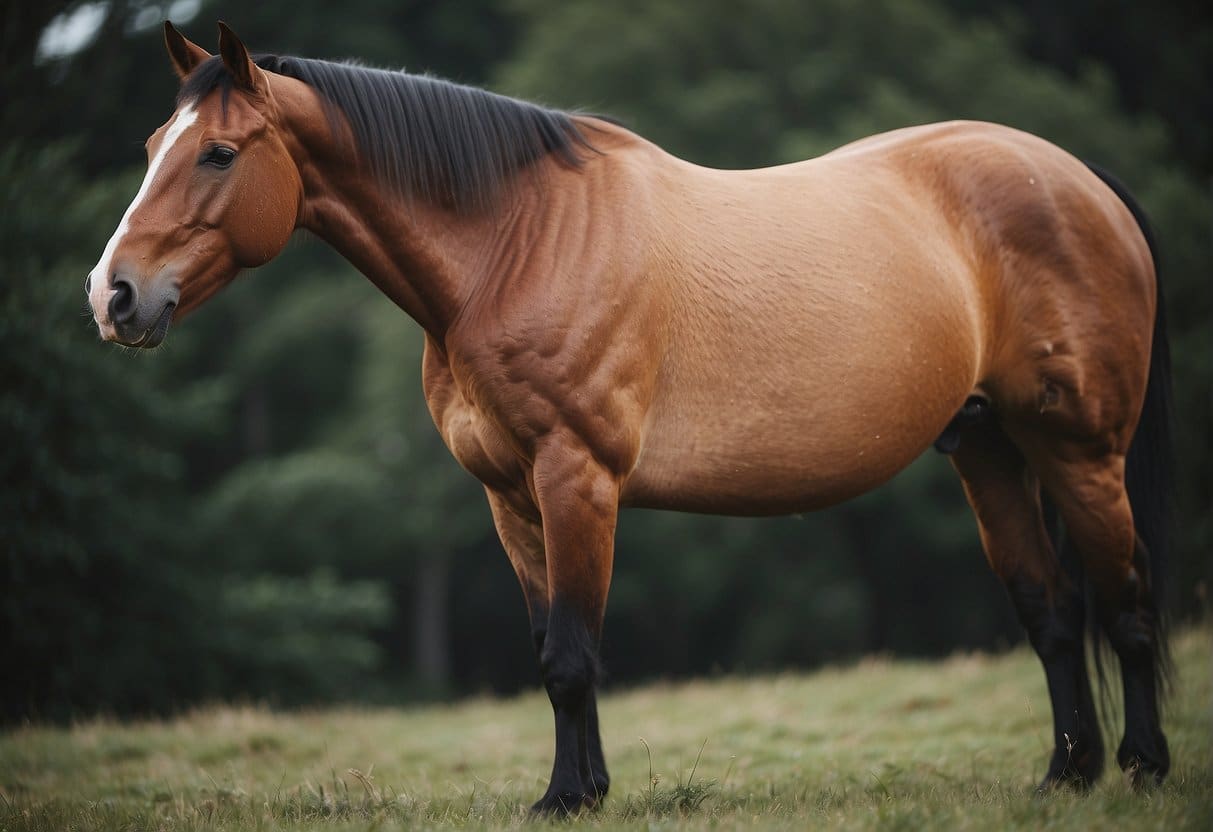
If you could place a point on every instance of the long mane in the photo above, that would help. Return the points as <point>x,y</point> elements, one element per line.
<point>422,136</point>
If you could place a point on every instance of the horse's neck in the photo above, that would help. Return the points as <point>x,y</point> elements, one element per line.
<point>422,257</point>
<point>429,259</point>
<point>425,258</point>
<point>414,252</point>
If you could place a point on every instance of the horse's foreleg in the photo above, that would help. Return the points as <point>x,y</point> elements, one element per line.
<point>522,538</point>
<point>598,771</point>
<point>1004,494</point>
<point>578,501</point>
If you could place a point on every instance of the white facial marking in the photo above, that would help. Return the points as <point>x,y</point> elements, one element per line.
<point>99,285</point>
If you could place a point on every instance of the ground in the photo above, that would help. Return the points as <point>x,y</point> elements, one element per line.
<point>879,744</point>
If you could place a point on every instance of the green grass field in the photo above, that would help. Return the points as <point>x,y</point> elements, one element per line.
<point>881,744</point>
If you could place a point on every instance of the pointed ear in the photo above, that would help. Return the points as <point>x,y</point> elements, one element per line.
<point>184,54</point>
<point>236,58</point>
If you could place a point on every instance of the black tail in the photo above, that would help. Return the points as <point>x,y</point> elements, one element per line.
<point>1149,469</point>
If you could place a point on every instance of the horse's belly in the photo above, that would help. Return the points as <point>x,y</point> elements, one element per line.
<point>779,461</point>
<point>806,419</point>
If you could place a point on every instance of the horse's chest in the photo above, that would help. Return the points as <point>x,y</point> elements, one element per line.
<point>474,439</point>
<point>482,449</point>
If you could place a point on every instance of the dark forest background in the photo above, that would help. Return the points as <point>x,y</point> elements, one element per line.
<point>261,509</point>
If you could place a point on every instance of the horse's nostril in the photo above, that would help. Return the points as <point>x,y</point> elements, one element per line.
<point>123,302</point>
<point>88,285</point>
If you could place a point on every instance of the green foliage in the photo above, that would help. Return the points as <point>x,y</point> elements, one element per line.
<point>293,640</point>
<point>84,457</point>
<point>295,513</point>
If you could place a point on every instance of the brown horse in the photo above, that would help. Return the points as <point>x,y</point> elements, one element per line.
<point>608,325</point>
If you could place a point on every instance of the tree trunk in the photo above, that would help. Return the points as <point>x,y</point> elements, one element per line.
<point>431,625</point>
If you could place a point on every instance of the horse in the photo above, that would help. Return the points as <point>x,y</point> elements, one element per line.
<point>607,325</point>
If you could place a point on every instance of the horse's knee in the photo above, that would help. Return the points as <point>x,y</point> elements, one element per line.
<point>1054,625</point>
<point>1132,629</point>
<point>568,658</point>
<point>1131,638</point>
<point>568,674</point>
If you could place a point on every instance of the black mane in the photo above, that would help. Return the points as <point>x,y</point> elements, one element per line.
<point>421,135</point>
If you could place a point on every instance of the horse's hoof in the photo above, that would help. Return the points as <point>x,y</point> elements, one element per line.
<point>1066,780</point>
<point>1077,772</point>
<point>1144,764</point>
<point>1142,775</point>
<point>563,804</point>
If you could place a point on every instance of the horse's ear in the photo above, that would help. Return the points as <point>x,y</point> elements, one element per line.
<point>184,54</point>
<point>236,59</point>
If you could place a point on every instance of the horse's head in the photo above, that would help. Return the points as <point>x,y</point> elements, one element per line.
<point>221,194</point>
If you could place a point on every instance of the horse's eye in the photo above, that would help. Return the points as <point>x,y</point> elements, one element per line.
<point>218,157</point>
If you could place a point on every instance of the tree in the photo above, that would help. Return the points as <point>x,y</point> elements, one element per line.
<point>84,456</point>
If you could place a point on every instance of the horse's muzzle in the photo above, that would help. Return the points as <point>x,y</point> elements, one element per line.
<point>141,319</point>
<point>124,302</point>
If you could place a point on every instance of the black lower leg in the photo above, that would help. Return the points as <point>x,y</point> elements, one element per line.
<point>1055,630</point>
<point>1132,629</point>
<point>598,769</point>
<point>569,662</point>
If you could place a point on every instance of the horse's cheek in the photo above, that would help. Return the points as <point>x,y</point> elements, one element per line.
<point>266,209</point>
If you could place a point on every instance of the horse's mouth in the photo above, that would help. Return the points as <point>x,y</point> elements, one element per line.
<point>155,334</point>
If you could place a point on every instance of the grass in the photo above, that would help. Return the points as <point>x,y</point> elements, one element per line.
<point>881,744</point>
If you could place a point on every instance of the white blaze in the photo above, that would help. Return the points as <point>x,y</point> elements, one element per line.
<point>99,277</point>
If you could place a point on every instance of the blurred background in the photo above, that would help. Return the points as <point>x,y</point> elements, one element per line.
<point>262,509</point>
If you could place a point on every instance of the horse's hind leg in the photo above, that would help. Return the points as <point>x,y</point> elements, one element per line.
<point>1090,494</point>
<point>1005,495</point>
